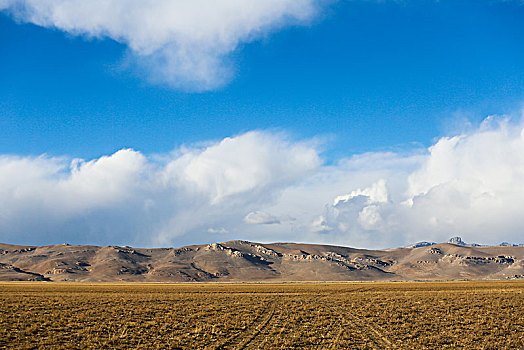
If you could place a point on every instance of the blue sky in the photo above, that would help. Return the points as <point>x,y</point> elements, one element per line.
<point>347,78</point>
<point>369,75</point>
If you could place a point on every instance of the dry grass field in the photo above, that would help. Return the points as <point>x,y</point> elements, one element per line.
<point>435,315</point>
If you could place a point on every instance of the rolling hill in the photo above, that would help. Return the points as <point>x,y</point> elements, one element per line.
<point>248,261</point>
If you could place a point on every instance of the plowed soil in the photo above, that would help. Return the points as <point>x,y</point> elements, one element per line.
<point>405,315</point>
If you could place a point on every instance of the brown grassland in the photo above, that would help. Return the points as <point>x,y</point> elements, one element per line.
<point>404,315</point>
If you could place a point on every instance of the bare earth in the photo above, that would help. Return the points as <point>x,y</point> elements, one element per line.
<point>247,261</point>
<point>403,315</point>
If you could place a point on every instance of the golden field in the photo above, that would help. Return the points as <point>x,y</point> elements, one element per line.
<point>404,315</point>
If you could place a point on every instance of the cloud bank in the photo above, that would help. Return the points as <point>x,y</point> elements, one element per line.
<point>184,44</point>
<point>470,185</point>
<point>266,187</point>
<point>128,197</point>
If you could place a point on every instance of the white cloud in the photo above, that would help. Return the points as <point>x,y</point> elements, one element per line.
<point>251,162</point>
<point>377,193</point>
<point>320,225</point>
<point>217,230</point>
<point>184,44</point>
<point>260,218</point>
<point>369,217</point>
<point>47,186</point>
<point>470,185</point>
<point>128,197</point>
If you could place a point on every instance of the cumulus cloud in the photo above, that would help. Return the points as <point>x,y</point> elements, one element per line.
<point>184,44</point>
<point>359,209</point>
<point>377,193</point>
<point>470,185</point>
<point>240,188</point>
<point>129,197</point>
<point>246,163</point>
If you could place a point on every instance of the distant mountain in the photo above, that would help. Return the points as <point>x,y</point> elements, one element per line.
<point>456,241</point>
<point>249,261</point>
<point>420,244</point>
<point>506,244</point>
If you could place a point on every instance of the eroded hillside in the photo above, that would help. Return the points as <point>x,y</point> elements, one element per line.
<point>248,261</point>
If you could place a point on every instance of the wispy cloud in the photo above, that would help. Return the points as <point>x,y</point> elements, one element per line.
<point>185,44</point>
<point>260,218</point>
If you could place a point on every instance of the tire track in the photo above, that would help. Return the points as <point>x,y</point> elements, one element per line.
<point>243,338</point>
<point>335,344</point>
<point>339,320</point>
<point>257,330</point>
<point>383,337</point>
<point>343,324</point>
<point>378,336</point>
